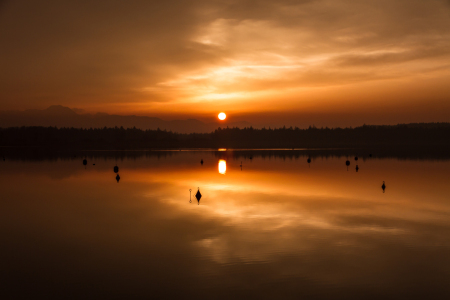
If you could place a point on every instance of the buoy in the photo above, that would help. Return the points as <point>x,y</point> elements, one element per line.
<point>85,161</point>
<point>117,177</point>
<point>116,169</point>
<point>198,195</point>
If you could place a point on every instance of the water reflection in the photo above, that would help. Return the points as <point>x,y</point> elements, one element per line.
<point>278,230</point>
<point>222,166</point>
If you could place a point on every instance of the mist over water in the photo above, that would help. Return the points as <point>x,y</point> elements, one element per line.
<point>268,225</point>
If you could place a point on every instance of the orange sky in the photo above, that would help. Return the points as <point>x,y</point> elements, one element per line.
<point>328,62</point>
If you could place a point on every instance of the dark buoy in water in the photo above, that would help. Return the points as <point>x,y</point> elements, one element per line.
<point>347,163</point>
<point>356,158</point>
<point>241,166</point>
<point>357,168</point>
<point>93,164</point>
<point>117,178</point>
<point>201,162</point>
<point>383,186</point>
<point>198,195</point>
<point>251,157</point>
<point>116,169</point>
<point>370,155</point>
<point>84,162</point>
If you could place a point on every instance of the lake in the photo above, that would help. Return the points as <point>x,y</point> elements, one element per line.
<point>277,227</point>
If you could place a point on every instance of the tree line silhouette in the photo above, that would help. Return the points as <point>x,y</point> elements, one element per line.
<point>403,135</point>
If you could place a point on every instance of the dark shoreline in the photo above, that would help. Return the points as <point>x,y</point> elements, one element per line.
<point>406,141</point>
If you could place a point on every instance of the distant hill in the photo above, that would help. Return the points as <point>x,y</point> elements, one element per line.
<point>61,116</point>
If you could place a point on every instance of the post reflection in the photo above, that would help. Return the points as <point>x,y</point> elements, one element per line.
<point>222,166</point>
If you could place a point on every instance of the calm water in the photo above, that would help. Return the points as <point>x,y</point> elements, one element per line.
<point>278,228</point>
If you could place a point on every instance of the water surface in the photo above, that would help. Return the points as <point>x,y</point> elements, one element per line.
<point>276,228</point>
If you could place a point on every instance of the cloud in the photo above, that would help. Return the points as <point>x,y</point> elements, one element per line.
<point>92,54</point>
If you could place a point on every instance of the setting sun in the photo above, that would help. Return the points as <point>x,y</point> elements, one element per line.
<point>222,116</point>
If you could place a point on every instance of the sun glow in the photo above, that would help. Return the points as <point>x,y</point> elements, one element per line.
<point>222,116</point>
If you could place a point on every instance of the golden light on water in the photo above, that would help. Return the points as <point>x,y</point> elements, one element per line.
<point>222,166</point>
<point>222,116</point>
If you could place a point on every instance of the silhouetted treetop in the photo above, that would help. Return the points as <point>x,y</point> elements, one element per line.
<point>414,135</point>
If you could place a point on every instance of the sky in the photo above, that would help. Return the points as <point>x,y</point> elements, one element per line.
<point>271,63</point>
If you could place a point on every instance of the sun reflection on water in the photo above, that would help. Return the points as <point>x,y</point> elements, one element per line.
<point>222,166</point>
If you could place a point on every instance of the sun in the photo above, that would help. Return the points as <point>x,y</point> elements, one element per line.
<point>222,116</point>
